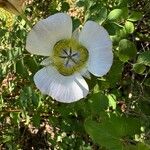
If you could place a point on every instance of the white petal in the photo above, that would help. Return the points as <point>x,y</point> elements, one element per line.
<point>100,61</point>
<point>44,35</point>
<point>96,39</point>
<point>94,36</point>
<point>46,62</point>
<point>85,73</point>
<point>65,89</point>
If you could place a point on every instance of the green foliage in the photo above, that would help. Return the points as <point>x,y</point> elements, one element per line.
<point>116,113</point>
<point>98,103</point>
<point>112,132</point>
<point>127,50</point>
<point>129,26</point>
<point>135,16</point>
<point>115,73</point>
<point>144,58</point>
<point>139,68</point>
<point>118,14</point>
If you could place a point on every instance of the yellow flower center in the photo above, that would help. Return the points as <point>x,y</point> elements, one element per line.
<point>69,56</point>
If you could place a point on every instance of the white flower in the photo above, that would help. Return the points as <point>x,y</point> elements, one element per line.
<point>69,56</point>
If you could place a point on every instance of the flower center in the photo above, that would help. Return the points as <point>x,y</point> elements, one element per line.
<point>69,56</point>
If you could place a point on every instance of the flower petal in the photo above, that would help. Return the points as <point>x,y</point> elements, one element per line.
<point>96,39</point>
<point>87,75</point>
<point>100,61</point>
<point>46,62</point>
<point>94,36</point>
<point>65,89</point>
<point>44,35</point>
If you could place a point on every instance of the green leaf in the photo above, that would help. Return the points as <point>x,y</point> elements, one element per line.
<point>135,16</point>
<point>142,146</point>
<point>35,99</point>
<point>85,3</point>
<point>147,82</point>
<point>122,3</point>
<point>76,23</point>
<point>129,27</point>
<point>144,58</point>
<point>31,64</point>
<point>112,132</point>
<point>36,120</point>
<point>65,6</point>
<point>102,136</point>
<point>15,116</point>
<point>127,50</point>
<point>122,34</point>
<point>144,105</point>
<point>80,3</point>
<point>115,73</point>
<point>118,14</point>
<point>112,27</point>
<point>7,138</point>
<point>139,146</point>
<point>21,68</point>
<point>98,102</point>
<point>112,101</point>
<point>102,15</point>
<point>2,32</point>
<point>103,84</point>
<point>139,68</point>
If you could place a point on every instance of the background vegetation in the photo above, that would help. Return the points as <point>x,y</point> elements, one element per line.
<point>116,113</point>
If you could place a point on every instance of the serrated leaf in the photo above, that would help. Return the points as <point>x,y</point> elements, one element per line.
<point>129,27</point>
<point>144,58</point>
<point>139,68</point>
<point>135,16</point>
<point>110,132</point>
<point>118,14</point>
<point>102,136</point>
<point>127,50</point>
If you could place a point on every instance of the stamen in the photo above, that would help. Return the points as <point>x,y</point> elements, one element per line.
<point>73,60</point>
<point>70,51</point>
<point>67,63</point>
<point>64,50</point>
<point>63,57</point>
<point>75,54</point>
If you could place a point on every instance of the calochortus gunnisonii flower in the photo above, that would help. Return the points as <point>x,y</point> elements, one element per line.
<point>13,6</point>
<point>70,56</point>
